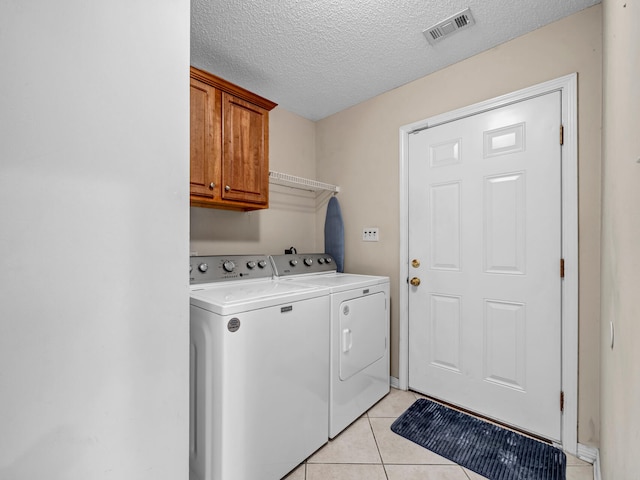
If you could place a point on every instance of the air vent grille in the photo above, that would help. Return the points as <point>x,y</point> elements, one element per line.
<point>462,21</point>
<point>449,26</point>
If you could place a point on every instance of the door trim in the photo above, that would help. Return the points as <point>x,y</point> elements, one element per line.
<point>568,86</point>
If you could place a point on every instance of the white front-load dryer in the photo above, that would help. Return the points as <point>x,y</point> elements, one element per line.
<point>359,332</point>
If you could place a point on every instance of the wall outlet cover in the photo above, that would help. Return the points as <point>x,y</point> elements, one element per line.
<point>370,234</point>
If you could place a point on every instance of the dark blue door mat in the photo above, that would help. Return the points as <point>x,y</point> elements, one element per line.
<point>485,448</point>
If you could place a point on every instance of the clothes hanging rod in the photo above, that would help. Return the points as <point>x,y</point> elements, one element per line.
<point>301,183</point>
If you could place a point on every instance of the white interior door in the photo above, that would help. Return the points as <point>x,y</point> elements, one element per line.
<point>485,234</point>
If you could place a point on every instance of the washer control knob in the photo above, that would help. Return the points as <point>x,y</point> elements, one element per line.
<point>308,261</point>
<point>321,260</point>
<point>228,266</point>
<point>203,267</point>
<point>251,265</point>
<point>328,259</point>
<point>262,263</point>
<point>293,263</point>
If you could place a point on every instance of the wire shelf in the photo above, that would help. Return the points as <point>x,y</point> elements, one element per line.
<point>301,183</point>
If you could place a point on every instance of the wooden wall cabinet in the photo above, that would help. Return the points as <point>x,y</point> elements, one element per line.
<point>229,145</point>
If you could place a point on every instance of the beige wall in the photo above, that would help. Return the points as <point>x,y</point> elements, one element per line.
<point>290,219</point>
<point>620,401</point>
<point>358,150</point>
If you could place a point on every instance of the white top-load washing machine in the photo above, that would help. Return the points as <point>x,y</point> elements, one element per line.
<point>359,351</point>
<point>259,370</point>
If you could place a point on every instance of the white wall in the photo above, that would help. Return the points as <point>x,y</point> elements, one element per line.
<point>94,239</point>
<point>620,395</point>
<point>290,219</point>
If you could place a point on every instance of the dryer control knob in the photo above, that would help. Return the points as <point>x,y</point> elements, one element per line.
<point>251,265</point>
<point>228,266</point>
<point>308,261</point>
<point>262,263</point>
<point>321,260</point>
<point>293,263</point>
<point>328,259</point>
<point>203,267</point>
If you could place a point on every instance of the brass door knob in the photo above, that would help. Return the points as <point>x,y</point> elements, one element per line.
<point>415,281</point>
<point>415,263</point>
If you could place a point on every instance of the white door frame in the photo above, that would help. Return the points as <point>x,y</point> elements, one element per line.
<point>568,86</point>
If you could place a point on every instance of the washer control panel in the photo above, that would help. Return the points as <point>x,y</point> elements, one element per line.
<point>296,264</point>
<point>219,268</point>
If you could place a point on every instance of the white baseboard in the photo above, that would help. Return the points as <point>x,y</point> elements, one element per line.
<point>591,455</point>
<point>394,382</point>
<point>586,453</point>
<point>596,467</point>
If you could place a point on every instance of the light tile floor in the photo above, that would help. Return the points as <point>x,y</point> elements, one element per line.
<point>369,450</point>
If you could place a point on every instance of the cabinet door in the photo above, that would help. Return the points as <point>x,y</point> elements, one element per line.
<point>245,137</point>
<point>205,141</point>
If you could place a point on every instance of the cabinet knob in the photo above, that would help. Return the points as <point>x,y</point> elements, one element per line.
<point>212,186</point>
<point>227,188</point>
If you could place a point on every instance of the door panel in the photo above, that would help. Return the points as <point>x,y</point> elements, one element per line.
<point>245,143</point>
<point>445,226</point>
<point>485,225</point>
<point>504,344</point>
<point>205,139</point>
<point>445,332</point>
<point>504,224</point>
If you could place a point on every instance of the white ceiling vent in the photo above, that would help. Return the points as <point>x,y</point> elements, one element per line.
<point>439,31</point>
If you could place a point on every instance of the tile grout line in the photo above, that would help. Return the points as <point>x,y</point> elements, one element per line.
<point>384,468</point>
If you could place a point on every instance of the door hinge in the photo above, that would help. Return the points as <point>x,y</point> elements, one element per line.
<point>562,268</point>
<point>562,401</point>
<point>561,134</point>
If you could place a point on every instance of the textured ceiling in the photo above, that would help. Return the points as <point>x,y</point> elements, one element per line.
<point>317,57</point>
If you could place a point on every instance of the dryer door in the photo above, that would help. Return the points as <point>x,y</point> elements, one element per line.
<point>363,336</point>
